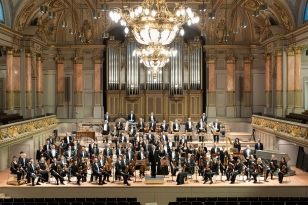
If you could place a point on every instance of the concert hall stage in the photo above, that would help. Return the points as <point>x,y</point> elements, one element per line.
<point>162,193</point>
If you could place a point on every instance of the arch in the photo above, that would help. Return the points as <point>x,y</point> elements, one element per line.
<point>2,17</point>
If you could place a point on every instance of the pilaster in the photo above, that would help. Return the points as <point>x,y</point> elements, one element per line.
<point>211,92</point>
<point>279,83</point>
<point>231,112</point>
<point>290,78</point>
<point>298,105</point>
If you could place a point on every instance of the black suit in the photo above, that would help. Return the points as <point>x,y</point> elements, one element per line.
<point>51,140</point>
<point>105,130</point>
<point>53,171</point>
<point>122,139</point>
<point>182,141</point>
<point>173,161</point>
<point>131,117</point>
<point>259,146</point>
<point>152,126</point>
<point>150,138</point>
<point>109,153</point>
<point>51,155</point>
<point>63,145</point>
<point>204,118</point>
<point>32,173</point>
<point>83,154</point>
<point>68,141</point>
<point>188,128</point>
<point>107,117</point>
<point>90,148</point>
<point>216,137</point>
<point>237,171</point>
<point>47,147</point>
<point>120,171</point>
<point>119,125</point>
<point>141,126</point>
<point>213,151</point>
<point>97,172</point>
<point>164,127</point>
<point>200,129</point>
<point>247,152</point>
<point>153,158</point>
<point>164,137</point>
<point>152,118</point>
<point>68,154</point>
<point>132,133</point>
<point>176,129</point>
<point>119,151</point>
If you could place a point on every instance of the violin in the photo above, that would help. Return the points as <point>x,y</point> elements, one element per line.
<point>58,168</point>
<point>259,168</point>
<point>19,168</point>
<point>201,162</point>
<point>272,165</point>
<point>231,166</point>
<point>253,165</point>
<point>126,169</point>
<point>144,166</point>
<point>79,170</point>
<point>284,169</point>
<point>208,167</point>
<point>38,168</point>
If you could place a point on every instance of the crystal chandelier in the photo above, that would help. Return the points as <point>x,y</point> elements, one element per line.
<point>154,55</point>
<point>152,22</point>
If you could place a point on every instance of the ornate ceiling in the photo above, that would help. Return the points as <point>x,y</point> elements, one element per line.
<point>281,17</point>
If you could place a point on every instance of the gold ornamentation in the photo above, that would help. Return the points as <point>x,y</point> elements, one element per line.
<point>231,60</point>
<point>78,60</point>
<point>267,56</point>
<point>212,60</point>
<point>248,59</point>
<point>298,49</point>
<point>59,60</point>
<point>290,51</point>
<point>278,52</point>
<point>176,98</point>
<point>294,132</point>
<point>132,98</point>
<point>16,53</point>
<point>98,60</point>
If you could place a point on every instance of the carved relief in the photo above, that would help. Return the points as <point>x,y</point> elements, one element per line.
<point>22,17</point>
<point>87,29</point>
<point>284,16</point>
<point>221,27</point>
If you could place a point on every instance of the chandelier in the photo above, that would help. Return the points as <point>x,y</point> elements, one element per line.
<point>154,55</point>
<point>152,22</point>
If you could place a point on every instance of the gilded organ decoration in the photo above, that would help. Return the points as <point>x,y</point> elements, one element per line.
<point>293,132</point>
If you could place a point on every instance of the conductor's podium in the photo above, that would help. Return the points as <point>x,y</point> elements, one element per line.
<point>158,180</point>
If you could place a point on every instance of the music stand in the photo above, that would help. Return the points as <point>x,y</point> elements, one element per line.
<point>105,137</point>
<point>196,172</point>
<point>138,163</point>
<point>171,173</point>
<point>131,139</point>
<point>176,134</point>
<point>112,145</point>
<point>115,140</point>
<point>124,144</point>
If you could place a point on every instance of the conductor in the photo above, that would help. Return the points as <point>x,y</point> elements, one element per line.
<point>153,158</point>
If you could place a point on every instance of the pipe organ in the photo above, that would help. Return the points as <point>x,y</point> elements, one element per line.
<point>175,92</point>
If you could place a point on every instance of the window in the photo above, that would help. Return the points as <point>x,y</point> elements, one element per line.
<point>306,13</point>
<point>1,13</point>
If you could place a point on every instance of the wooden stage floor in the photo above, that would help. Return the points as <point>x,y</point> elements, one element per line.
<point>162,193</point>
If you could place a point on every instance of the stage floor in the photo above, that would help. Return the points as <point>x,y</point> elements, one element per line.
<point>297,186</point>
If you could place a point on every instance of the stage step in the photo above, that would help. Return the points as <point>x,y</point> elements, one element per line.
<point>157,180</point>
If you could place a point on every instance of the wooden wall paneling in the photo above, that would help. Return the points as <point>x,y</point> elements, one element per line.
<point>4,162</point>
<point>192,106</point>
<point>173,107</point>
<point>150,105</point>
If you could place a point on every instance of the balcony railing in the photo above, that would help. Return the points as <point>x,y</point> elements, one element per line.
<point>21,130</point>
<point>290,131</point>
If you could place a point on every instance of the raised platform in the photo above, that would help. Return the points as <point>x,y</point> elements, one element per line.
<point>163,193</point>
<point>158,180</point>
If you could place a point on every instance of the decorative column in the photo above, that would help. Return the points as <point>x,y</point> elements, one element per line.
<point>298,81</point>
<point>9,80</point>
<point>78,62</point>
<point>290,78</point>
<point>279,88</point>
<point>268,82</point>
<point>16,78</point>
<point>60,81</point>
<point>211,92</point>
<point>230,86</point>
<point>39,84</point>
<point>28,68</point>
<point>97,62</point>
<point>247,81</point>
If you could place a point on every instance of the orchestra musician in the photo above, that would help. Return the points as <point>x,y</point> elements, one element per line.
<point>200,129</point>
<point>200,156</point>
<point>164,137</point>
<point>120,172</point>
<point>98,172</point>
<point>258,170</point>
<point>137,138</point>
<point>237,144</point>
<point>216,126</point>
<point>67,139</point>
<point>152,126</point>
<point>17,169</point>
<point>53,153</point>
<point>141,156</point>
<point>237,170</point>
<point>94,152</point>
<point>131,117</point>
<point>140,125</point>
<point>222,156</point>
<point>259,145</point>
<point>206,168</point>
<point>125,162</point>
<point>63,145</point>
<point>164,127</point>
<point>188,128</point>
<point>273,165</point>
<point>283,166</point>
<point>183,140</point>
<point>153,159</point>
<point>84,164</point>
<point>152,117</point>
<point>147,147</point>
<point>69,154</point>
<point>47,146</point>
<point>173,159</point>
<point>64,164</point>
<point>213,171</point>
<point>83,153</point>
<point>119,150</point>
<point>184,150</point>
<point>91,146</point>
<point>150,137</point>
<point>108,151</point>
<point>132,132</point>
<point>107,117</point>
<point>32,174</point>
<point>250,167</point>
<point>119,126</point>
<point>215,151</point>
<point>76,171</point>
<point>204,118</point>
<point>39,153</point>
<point>23,160</point>
<point>176,128</point>
<point>51,140</point>
<point>105,129</point>
<point>230,168</point>
<point>54,172</point>
<point>247,152</point>
<point>123,138</point>
<point>162,170</point>
<point>43,169</point>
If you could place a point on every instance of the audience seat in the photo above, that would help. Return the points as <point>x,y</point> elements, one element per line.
<point>174,203</point>
<point>196,203</point>
<point>180,199</point>
<point>132,199</point>
<point>191,199</point>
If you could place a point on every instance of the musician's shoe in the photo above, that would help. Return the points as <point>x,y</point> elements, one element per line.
<point>211,182</point>
<point>108,180</point>
<point>18,182</point>
<point>130,179</point>
<point>254,181</point>
<point>78,183</point>
<point>204,182</point>
<point>128,184</point>
<point>101,183</point>
<point>62,183</point>
<point>152,177</point>
<point>90,181</point>
<point>38,183</point>
<point>33,185</point>
<point>69,181</point>
<point>272,177</point>
<point>104,183</point>
<point>231,182</point>
<point>178,184</point>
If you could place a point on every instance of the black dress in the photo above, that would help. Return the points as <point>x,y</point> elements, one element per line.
<point>39,154</point>
<point>44,172</point>
<point>162,170</point>
<point>14,170</point>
